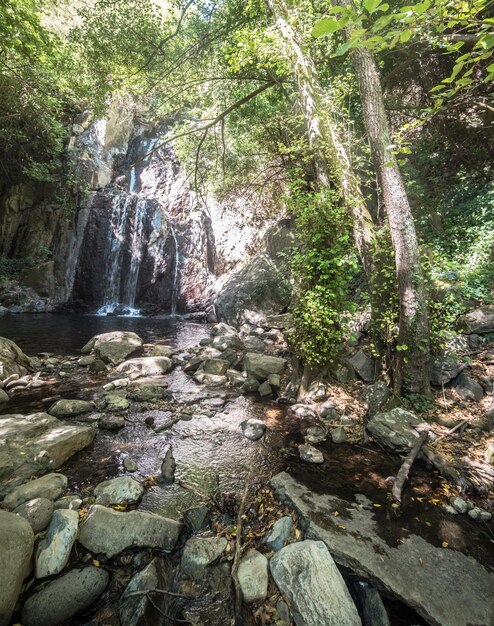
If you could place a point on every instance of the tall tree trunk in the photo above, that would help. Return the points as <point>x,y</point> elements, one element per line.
<point>332,162</point>
<point>412,362</point>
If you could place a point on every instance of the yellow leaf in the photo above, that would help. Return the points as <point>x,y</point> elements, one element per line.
<point>341,526</point>
<point>394,505</point>
<point>336,513</point>
<point>421,563</point>
<point>445,544</point>
<point>298,534</point>
<point>96,563</point>
<point>376,505</point>
<point>428,524</point>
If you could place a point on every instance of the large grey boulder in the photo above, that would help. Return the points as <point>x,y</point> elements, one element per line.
<point>114,347</point>
<point>253,577</point>
<point>419,573</point>
<point>16,548</point>
<point>467,387</point>
<point>395,429</point>
<point>137,610</point>
<point>70,408</point>
<point>62,598</point>
<point>253,428</point>
<point>50,486</point>
<point>12,359</point>
<point>444,369</point>
<point>118,490</point>
<point>54,551</point>
<point>33,444</point>
<point>309,580</point>
<point>199,553</point>
<point>260,366</point>
<point>479,321</point>
<point>109,532</point>
<point>147,365</point>
<point>37,512</point>
<point>363,365</point>
<point>376,396</point>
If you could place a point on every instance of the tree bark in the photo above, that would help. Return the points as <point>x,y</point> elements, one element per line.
<point>411,374</point>
<point>333,166</point>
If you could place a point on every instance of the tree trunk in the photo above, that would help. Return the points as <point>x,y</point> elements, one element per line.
<point>331,159</point>
<point>413,360</point>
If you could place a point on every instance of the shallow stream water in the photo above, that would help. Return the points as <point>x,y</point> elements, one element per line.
<point>212,454</point>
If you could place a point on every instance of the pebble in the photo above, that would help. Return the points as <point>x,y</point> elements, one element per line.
<point>130,465</point>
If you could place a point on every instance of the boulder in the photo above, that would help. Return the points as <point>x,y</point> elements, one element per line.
<point>147,393</point>
<point>147,366</point>
<point>37,512</point>
<point>16,548</point>
<point>12,359</point>
<point>363,365</point>
<point>118,490</point>
<point>253,428</point>
<point>50,487</point>
<point>315,434</point>
<point>373,610</point>
<point>444,369</point>
<point>199,553</point>
<point>467,387</point>
<point>309,454</point>
<point>338,435</point>
<point>114,347</point>
<point>111,422</point>
<point>479,321</point>
<point>279,533</point>
<point>4,397</point>
<point>110,532</point>
<point>254,344</point>
<point>114,402</point>
<point>33,444</point>
<point>310,581</point>
<point>54,551</point>
<point>70,408</point>
<point>196,517</point>
<point>253,577</point>
<point>62,598</point>
<point>137,610</point>
<point>265,389</point>
<point>358,543</point>
<point>260,366</point>
<point>395,429</point>
<point>215,366</point>
<point>376,396</point>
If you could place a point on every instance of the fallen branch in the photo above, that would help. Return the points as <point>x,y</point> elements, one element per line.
<point>159,591</point>
<point>451,431</point>
<point>404,470</point>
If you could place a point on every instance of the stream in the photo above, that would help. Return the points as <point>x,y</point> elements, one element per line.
<point>211,452</point>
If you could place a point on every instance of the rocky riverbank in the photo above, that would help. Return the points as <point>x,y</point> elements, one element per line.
<point>143,453</point>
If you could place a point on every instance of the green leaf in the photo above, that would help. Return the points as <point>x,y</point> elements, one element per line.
<point>487,41</point>
<point>326,26</point>
<point>371,5</point>
<point>343,48</point>
<point>405,35</point>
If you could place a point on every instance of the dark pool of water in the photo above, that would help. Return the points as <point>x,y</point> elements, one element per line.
<point>67,334</point>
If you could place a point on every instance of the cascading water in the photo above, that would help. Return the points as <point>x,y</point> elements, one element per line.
<point>130,257</point>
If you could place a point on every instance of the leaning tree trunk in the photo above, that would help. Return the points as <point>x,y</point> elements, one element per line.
<point>333,166</point>
<point>413,359</point>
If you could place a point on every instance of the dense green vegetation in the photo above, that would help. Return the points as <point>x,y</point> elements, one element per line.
<point>267,100</point>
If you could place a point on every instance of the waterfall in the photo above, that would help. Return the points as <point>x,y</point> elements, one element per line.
<point>175,272</point>
<point>137,244</point>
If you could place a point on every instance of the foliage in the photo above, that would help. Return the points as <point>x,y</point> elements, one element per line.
<point>323,266</point>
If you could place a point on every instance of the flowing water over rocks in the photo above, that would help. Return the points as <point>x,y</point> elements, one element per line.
<point>200,427</point>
